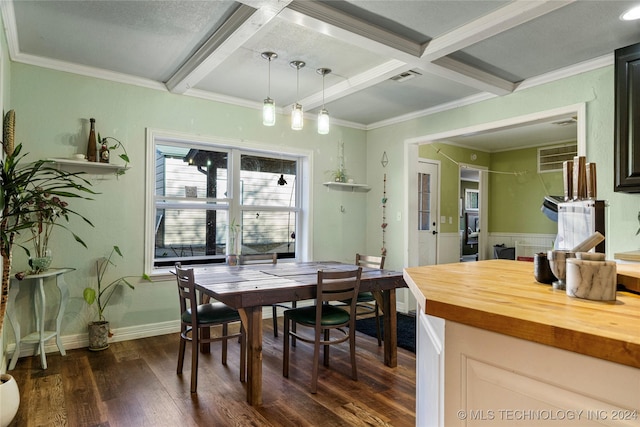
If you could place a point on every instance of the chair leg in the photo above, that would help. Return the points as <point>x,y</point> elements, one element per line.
<point>352,349</point>
<point>285,356</point>
<point>225,332</point>
<point>316,361</point>
<point>195,335</point>
<point>326,347</point>
<point>378,329</point>
<point>181,349</point>
<point>275,320</point>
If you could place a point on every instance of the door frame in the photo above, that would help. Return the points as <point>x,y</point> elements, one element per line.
<point>483,205</point>
<point>411,203</point>
<point>411,157</point>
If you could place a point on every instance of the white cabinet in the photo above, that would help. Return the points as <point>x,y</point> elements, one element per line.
<point>429,371</point>
<point>472,377</point>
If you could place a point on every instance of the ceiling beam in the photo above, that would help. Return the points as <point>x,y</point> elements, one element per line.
<point>243,24</point>
<point>353,84</point>
<point>430,57</point>
<point>494,23</point>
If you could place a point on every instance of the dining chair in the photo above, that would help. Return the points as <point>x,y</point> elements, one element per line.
<point>324,317</point>
<point>193,322</point>
<point>267,259</point>
<point>366,302</point>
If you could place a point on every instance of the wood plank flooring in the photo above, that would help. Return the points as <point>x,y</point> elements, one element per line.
<point>134,383</point>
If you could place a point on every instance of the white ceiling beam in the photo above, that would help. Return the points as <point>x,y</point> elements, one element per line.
<point>243,24</point>
<point>462,73</point>
<point>332,17</point>
<point>496,22</point>
<point>353,84</point>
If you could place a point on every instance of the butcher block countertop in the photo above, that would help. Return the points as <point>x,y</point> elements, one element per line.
<point>503,296</point>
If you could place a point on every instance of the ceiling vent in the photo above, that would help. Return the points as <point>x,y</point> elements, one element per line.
<point>407,75</point>
<point>550,158</point>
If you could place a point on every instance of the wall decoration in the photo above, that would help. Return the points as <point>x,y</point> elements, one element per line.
<point>383,251</point>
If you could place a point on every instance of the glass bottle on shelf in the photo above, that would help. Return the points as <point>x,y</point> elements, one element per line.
<point>92,146</point>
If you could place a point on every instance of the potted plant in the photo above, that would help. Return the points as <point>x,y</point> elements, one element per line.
<point>234,234</point>
<point>23,188</point>
<point>99,331</point>
<point>116,144</point>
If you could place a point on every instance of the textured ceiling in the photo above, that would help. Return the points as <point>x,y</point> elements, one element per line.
<point>462,51</point>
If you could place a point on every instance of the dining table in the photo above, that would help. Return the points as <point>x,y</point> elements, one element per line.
<point>248,288</point>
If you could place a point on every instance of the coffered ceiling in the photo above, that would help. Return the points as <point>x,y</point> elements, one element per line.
<point>447,53</point>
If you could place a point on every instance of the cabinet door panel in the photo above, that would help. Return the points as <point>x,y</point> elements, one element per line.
<point>627,116</point>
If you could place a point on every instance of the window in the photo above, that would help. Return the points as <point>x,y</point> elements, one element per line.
<point>200,188</point>
<point>424,201</point>
<point>471,199</point>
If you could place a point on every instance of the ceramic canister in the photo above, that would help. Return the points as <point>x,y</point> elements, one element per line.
<point>592,280</point>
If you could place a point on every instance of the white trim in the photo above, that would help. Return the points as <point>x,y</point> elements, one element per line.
<point>552,76</point>
<point>411,157</point>
<point>579,109</point>
<point>305,189</point>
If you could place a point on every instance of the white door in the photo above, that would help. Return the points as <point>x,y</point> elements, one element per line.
<point>428,213</point>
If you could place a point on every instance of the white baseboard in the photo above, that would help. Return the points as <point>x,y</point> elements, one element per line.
<point>71,342</point>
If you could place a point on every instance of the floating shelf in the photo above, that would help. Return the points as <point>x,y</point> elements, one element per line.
<point>347,186</point>
<point>93,167</point>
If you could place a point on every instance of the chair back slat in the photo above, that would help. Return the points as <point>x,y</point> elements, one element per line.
<point>258,259</point>
<point>187,291</point>
<point>338,285</point>
<point>370,261</point>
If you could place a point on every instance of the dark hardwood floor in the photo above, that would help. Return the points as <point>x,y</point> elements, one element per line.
<point>134,383</point>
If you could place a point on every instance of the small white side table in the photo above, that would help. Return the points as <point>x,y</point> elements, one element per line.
<point>36,283</point>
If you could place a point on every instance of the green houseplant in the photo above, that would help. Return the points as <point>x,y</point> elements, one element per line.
<point>114,146</point>
<point>27,193</point>
<point>99,331</point>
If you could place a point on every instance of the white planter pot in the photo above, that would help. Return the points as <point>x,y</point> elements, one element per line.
<point>9,399</point>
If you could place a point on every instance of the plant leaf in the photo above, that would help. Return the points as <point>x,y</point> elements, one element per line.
<point>89,295</point>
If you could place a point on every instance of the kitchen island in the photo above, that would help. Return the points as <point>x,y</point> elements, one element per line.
<point>495,347</point>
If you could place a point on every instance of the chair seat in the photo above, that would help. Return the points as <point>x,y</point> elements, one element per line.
<point>213,313</point>
<point>331,315</point>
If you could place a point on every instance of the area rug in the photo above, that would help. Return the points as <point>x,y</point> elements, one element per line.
<point>406,330</point>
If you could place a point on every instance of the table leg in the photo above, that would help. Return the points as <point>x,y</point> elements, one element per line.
<point>390,328</point>
<point>64,297</point>
<point>252,321</point>
<point>39,299</point>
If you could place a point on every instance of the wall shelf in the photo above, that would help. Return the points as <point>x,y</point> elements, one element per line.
<point>86,166</point>
<point>347,186</point>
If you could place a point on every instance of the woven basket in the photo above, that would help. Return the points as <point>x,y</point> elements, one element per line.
<point>8,131</point>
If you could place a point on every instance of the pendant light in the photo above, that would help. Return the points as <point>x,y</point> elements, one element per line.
<point>323,115</point>
<point>296,113</point>
<point>269,107</point>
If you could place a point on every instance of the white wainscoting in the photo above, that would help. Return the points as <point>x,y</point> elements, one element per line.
<point>526,243</point>
<point>448,248</point>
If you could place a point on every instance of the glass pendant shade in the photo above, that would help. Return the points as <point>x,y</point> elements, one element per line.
<point>323,122</point>
<point>297,117</point>
<point>269,112</point>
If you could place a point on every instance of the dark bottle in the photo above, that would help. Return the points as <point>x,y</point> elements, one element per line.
<point>92,146</point>
<point>104,152</point>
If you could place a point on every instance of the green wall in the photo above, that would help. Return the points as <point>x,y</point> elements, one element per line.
<point>450,175</point>
<point>515,200</point>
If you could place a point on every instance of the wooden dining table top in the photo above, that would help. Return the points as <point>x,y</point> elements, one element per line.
<point>264,284</point>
